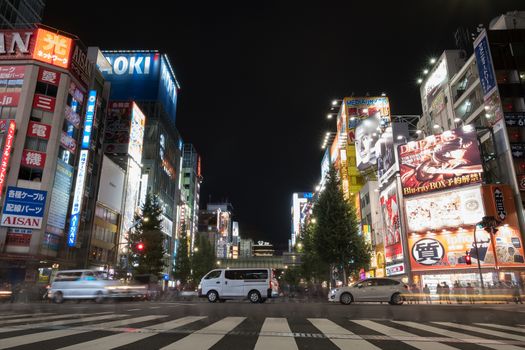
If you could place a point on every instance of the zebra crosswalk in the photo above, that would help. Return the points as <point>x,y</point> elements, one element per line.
<point>199,332</point>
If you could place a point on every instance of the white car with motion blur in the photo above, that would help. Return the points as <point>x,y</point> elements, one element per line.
<point>371,289</point>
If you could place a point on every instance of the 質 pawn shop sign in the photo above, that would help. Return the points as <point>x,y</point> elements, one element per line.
<point>24,208</point>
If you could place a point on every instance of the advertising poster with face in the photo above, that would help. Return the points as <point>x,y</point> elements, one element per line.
<point>392,230</point>
<point>366,136</point>
<point>384,149</point>
<point>440,162</point>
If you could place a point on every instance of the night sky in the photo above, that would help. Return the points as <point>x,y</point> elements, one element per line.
<point>257,81</point>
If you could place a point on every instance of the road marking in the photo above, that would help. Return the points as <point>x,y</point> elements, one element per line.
<point>7,316</point>
<point>27,319</point>
<point>407,338</point>
<point>122,339</point>
<point>206,337</point>
<point>270,336</point>
<point>339,335</point>
<point>58,323</point>
<point>154,307</point>
<point>462,336</point>
<point>134,310</point>
<point>43,336</point>
<point>509,328</point>
<point>483,331</point>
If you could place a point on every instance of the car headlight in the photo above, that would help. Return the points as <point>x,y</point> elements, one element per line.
<point>199,286</point>
<point>333,291</point>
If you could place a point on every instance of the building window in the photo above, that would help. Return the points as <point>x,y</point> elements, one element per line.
<point>36,144</point>
<point>30,174</point>
<point>8,112</point>
<point>46,89</point>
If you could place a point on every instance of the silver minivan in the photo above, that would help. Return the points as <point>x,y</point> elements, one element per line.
<point>81,284</point>
<point>255,284</point>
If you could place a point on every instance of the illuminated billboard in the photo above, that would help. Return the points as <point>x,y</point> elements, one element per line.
<point>78,196</point>
<point>392,236</point>
<point>52,48</point>
<point>436,78</point>
<point>136,134</point>
<point>444,210</point>
<point>366,137</point>
<point>142,75</point>
<point>440,162</point>
<point>88,122</point>
<point>385,155</point>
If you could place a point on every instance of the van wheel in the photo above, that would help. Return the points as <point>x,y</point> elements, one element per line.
<point>254,296</point>
<point>99,297</point>
<point>397,299</point>
<point>213,296</point>
<point>346,299</point>
<point>58,298</point>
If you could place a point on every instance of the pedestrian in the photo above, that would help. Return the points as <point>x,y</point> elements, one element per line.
<point>458,292</point>
<point>446,292</point>
<point>426,291</point>
<point>470,293</point>
<point>415,293</point>
<point>516,294</point>
<point>439,291</point>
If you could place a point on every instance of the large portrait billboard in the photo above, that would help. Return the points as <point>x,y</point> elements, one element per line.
<point>440,162</point>
<point>389,203</point>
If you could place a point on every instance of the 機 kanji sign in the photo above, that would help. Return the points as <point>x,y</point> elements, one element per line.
<point>23,207</point>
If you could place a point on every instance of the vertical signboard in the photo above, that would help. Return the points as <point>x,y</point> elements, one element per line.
<point>6,154</point>
<point>389,203</point>
<point>487,76</point>
<point>60,195</point>
<point>88,122</point>
<point>136,135</point>
<point>77,199</point>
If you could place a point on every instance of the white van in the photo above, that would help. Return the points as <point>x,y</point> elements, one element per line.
<point>86,284</point>
<point>256,284</point>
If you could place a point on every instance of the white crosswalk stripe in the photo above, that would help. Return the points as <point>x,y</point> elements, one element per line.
<point>121,339</point>
<point>104,316</point>
<point>407,338</point>
<point>483,331</point>
<point>8,316</point>
<point>500,326</point>
<point>30,319</point>
<point>269,337</point>
<point>464,337</point>
<point>207,337</point>
<point>339,335</point>
<point>43,336</point>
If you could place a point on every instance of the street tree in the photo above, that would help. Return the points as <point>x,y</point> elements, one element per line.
<point>203,258</point>
<point>313,268</point>
<point>182,268</point>
<point>147,255</point>
<point>336,234</point>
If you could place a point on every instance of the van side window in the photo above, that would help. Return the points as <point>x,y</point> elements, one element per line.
<point>255,274</point>
<point>68,276</point>
<point>89,276</point>
<point>213,274</point>
<point>234,274</point>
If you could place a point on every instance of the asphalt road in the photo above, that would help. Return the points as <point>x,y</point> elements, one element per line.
<point>271,326</point>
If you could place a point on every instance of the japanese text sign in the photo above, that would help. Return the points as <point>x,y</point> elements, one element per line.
<point>88,122</point>
<point>487,77</point>
<point>52,48</point>
<point>6,154</point>
<point>33,159</point>
<point>12,72</point>
<point>23,207</point>
<point>48,76</point>
<point>39,130</point>
<point>44,102</point>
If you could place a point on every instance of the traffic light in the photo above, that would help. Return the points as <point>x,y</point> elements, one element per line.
<point>139,247</point>
<point>468,258</point>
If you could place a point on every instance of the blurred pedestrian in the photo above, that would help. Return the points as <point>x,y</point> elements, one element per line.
<point>426,291</point>
<point>446,292</point>
<point>516,294</point>
<point>439,290</point>
<point>415,293</point>
<point>458,292</point>
<point>470,293</point>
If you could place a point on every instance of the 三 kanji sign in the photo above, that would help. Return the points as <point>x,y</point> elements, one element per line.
<point>24,207</point>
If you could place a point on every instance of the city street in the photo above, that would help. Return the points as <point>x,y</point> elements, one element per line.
<point>275,325</point>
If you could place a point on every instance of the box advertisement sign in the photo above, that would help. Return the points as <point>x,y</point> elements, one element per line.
<point>440,162</point>
<point>52,48</point>
<point>366,137</point>
<point>9,99</point>
<point>386,159</point>
<point>111,185</point>
<point>515,119</point>
<point>23,207</point>
<point>60,195</point>
<point>136,136</point>
<point>116,136</point>
<point>484,63</point>
<point>33,159</point>
<point>12,72</point>
<point>392,230</point>
<point>444,210</point>
<point>435,81</point>
<point>44,102</point>
<point>48,76</point>
<point>74,220</point>
<point>39,130</point>
<point>68,142</point>
<point>521,182</point>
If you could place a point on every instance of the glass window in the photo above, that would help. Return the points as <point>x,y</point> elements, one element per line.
<point>387,282</point>
<point>213,274</point>
<point>68,276</point>
<point>31,174</point>
<point>255,274</point>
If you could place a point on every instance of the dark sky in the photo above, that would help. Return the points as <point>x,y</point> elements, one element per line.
<point>257,81</point>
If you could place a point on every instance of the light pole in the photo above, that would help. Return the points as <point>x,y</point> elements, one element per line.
<point>477,256</point>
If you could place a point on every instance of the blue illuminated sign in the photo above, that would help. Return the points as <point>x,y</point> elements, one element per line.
<point>142,76</point>
<point>88,122</point>
<point>487,77</point>
<point>25,202</point>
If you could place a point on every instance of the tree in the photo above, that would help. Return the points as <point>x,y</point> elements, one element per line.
<point>203,258</point>
<point>313,268</point>
<point>336,236</point>
<point>151,258</point>
<point>182,268</point>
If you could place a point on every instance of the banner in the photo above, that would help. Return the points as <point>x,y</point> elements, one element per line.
<point>23,207</point>
<point>389,203</point>
<point>440,162</point>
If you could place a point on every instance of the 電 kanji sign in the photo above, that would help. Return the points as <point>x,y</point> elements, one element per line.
<point>23,207</point>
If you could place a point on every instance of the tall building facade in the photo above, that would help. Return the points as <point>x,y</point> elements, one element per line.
<point>147,78</point>
<point>190,192</point>
<point>21,13</point>
<point>52,109</point>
